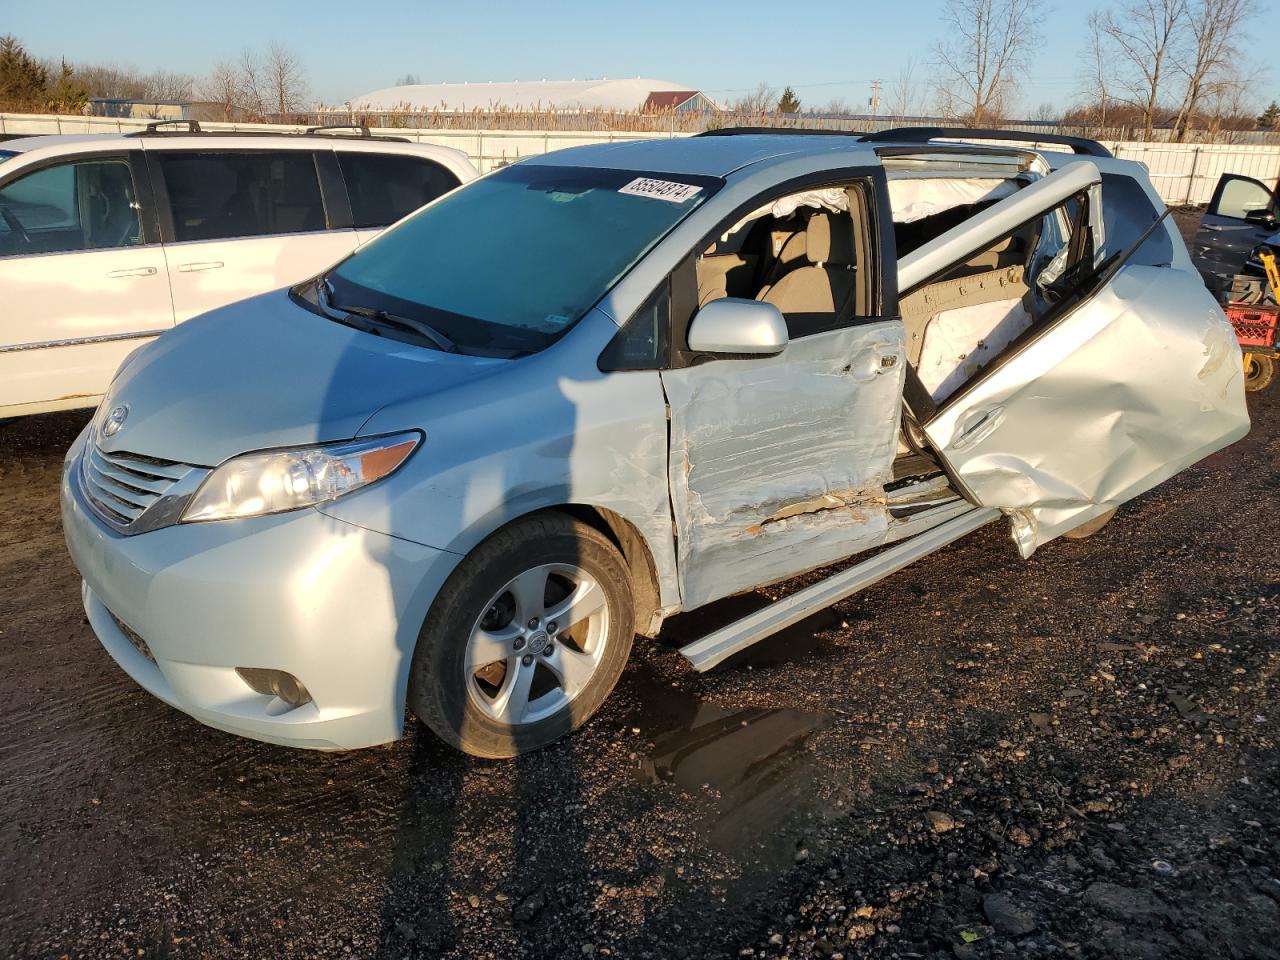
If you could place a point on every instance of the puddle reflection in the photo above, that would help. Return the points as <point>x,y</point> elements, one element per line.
<point>755,768</point>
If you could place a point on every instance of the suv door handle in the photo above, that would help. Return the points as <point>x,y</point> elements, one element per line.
<point>977,426</point>
<point>134,272</point>
<point>193,267</point>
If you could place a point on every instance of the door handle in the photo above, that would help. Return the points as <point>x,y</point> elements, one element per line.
<point>193,267</point>
<point>871,362</point>
<point>134,272</point>
<point>977,426</point>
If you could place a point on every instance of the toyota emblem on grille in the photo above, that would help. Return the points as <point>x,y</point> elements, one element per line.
<point>115,420</point>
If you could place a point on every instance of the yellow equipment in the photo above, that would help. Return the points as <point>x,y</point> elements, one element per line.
<point>1273,275</point>
<point>1255,326</point>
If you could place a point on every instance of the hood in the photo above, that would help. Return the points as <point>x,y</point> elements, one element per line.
<point>263,373</point>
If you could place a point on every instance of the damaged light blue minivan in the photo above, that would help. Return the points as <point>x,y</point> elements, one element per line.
<point>461,470</point>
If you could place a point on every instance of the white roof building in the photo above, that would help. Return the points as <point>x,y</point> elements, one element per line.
<point>601,94</point>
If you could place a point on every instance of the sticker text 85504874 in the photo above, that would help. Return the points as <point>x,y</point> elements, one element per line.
<point>667,190</point>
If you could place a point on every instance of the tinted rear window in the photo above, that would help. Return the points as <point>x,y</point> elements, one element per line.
<point>216,196</point>
<point>384,188</point>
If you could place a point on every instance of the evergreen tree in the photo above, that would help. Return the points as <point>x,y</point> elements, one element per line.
<point>1270,117</point>
<point>66,94</point>
<point>788,102</point>
<point>23,81</point>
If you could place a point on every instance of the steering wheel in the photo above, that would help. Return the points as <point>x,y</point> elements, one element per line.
<point>15,225</point>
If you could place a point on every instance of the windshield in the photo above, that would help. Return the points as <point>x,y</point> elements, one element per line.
<point>508,263</point>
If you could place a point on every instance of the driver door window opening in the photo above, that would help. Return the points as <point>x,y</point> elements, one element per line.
<point>807,253</point>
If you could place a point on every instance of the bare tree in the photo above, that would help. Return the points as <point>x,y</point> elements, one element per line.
<point>904,99</point>
<point>163,85</point>
<point>1229,107</point>
<point>257,85</point>
<point>285,81</point>
<point>1140,41</point>
<point>763,99</point>
<point>1095,76</point>
<point>222,86</point>
<point>251,75</point>
<point>128,83</point>
<point>986,50</point>
<point>1215,27</point>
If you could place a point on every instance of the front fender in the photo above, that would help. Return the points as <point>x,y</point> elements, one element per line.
<point>525,444</point>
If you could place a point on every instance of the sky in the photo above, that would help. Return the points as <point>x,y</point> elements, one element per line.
<point>824,50</point>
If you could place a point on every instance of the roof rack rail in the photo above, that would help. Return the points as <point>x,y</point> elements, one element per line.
<point>362,129</point>
<point>1079,145</point>
<point>774,131</point>
<point>193,126</point>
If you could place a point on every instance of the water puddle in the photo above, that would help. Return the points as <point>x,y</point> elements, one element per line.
<point>754,769</point>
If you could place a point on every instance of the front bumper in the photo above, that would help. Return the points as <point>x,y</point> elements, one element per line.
<point>336,605</point>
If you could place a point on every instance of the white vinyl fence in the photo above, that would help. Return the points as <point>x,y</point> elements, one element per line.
<point>1182,172</point>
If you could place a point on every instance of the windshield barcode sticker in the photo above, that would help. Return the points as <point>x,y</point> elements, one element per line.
<point>667,190</point>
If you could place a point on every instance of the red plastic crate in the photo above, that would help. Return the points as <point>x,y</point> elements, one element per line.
<point>1255,324</point>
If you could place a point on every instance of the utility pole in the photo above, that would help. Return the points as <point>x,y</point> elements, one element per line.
<point>874,102</point>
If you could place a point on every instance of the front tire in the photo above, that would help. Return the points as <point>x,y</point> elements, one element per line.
<point>525,640</point>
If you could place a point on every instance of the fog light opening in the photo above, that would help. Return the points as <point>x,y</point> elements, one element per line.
<point>275,683</point>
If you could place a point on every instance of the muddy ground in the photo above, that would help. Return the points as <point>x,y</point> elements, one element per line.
<point>1070,756</point>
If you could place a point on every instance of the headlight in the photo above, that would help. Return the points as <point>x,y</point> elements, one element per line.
<point>278,480</point>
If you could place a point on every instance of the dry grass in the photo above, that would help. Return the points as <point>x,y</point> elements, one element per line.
<point>499,117</point>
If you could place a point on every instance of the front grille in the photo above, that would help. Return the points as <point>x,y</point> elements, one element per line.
<point>123,488</point>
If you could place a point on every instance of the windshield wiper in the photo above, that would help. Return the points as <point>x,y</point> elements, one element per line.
<point>420,327</point>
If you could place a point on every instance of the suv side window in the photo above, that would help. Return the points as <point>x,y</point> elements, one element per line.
<point>641,344</point>
<point>79,205</point>
<point>385,187</point>
<point>226,194</point>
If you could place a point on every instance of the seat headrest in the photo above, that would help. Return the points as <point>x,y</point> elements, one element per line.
<point>829,239</point>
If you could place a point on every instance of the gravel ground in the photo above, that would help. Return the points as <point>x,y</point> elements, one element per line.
<point>1073,756</point>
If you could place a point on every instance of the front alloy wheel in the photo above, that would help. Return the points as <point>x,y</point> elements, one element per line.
<point>526,638</point>
<point>538,644</point>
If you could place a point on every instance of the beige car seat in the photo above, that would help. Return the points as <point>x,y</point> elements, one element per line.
<point>828,283</point>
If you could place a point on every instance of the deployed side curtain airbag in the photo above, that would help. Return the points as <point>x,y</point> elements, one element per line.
<point>914,199</point>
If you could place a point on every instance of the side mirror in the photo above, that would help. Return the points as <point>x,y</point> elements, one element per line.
<point>1262,218</point>
<point>734,326</point>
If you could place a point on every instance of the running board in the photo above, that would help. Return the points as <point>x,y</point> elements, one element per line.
<point>725,642</point>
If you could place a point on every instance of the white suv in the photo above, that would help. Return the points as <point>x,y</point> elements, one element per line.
<point>108,241</point>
